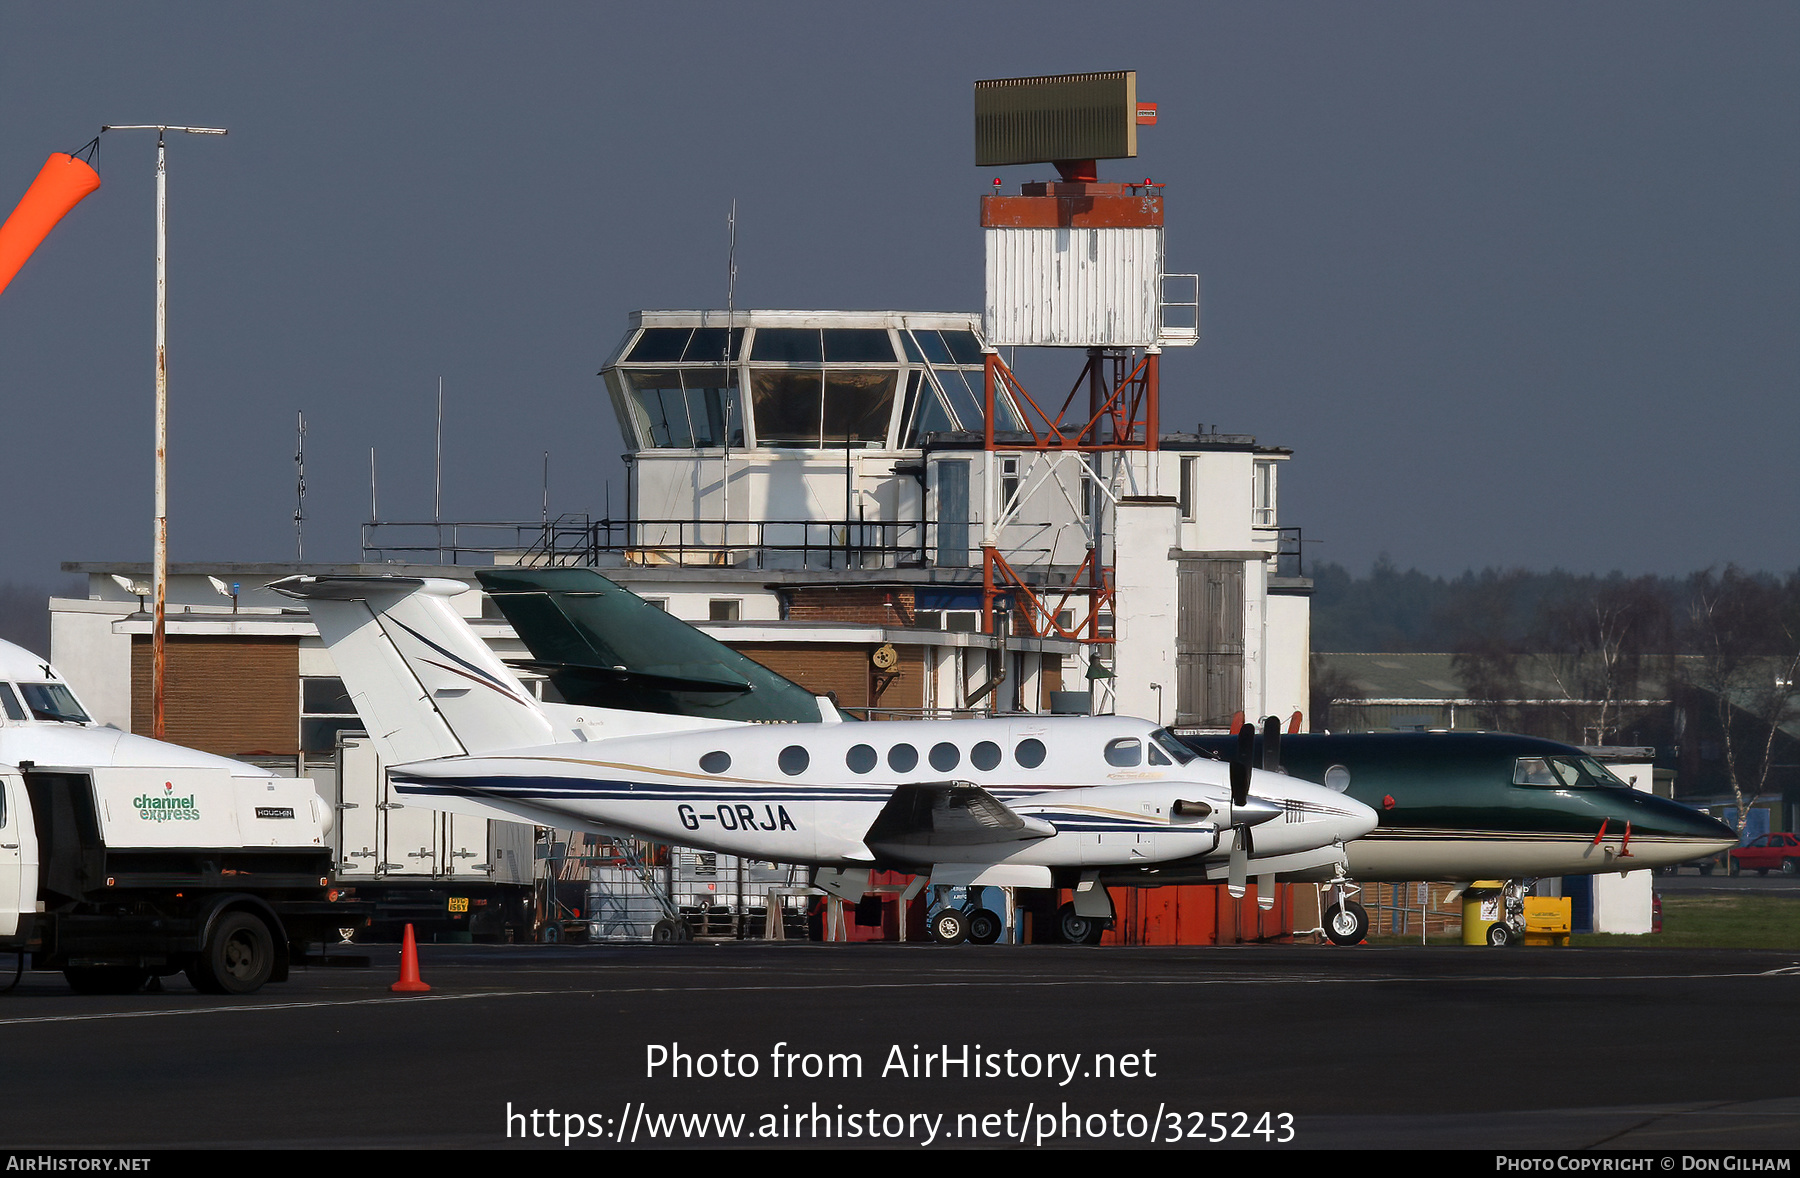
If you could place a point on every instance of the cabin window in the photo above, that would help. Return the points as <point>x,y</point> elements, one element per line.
<point>902,758</point>
<point>10,702</point>
<point>716,761</point>
<point>1124,752</point>
<point>985,755</point>
<point>860,759</point>
<point>945,756</point>
<point>793,760</point>
<point>1029,753</point>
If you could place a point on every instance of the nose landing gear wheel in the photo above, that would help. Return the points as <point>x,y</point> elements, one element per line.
<point>949,926</point>
<point>1346,923</point>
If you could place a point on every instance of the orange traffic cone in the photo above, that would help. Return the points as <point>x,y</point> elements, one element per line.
<point>409,982</point>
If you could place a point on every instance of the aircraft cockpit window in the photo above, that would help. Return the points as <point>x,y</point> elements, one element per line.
<point>860,759</point>
<point>1029,753</point>
<point>1602,775</point>
<point>1158,757</point>
<point>1532,771</point>
<point>945,756</point>
<point>52,701</point>
<point>10,702</point>
<point>985,755</point>
<point>793,760</point>
<point>902,758</point>
<point>716,762</point>
<point>1171,744</point>
<point>1124,752</point>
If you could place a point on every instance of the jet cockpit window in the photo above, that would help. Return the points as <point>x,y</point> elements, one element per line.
<point>10,702</point>
<point>1532,771</point>
<point>1157,756</point>
<point>1124,752</point>
<point>53,701</point>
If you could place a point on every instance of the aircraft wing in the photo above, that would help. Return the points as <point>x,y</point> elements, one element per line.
<point>949,814</point>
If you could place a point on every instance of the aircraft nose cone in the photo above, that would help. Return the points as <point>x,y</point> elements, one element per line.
<point>1355,818</point>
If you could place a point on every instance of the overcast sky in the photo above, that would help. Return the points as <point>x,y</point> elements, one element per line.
<point>1517,283</point>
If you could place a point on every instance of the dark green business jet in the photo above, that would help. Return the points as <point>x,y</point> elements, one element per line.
<point>1463,806</point>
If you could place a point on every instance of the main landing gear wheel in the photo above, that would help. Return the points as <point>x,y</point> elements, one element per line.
<point>1077,929</point>
<point>1500,935</point>
<point>238,958</point>
<point>1346,923</point>
<point>949,926</point>
<point>671,932</point>
<point>984,927</point>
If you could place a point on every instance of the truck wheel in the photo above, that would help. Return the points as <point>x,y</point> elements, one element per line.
<point>106,979</point>
<point>984,927</point>
<point>238,958</point>
<point>670,932</point>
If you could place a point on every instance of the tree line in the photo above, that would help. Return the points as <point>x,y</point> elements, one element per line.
<point>1722,645</point>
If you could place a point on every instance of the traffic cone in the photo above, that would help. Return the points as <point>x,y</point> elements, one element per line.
<point>409,982</point>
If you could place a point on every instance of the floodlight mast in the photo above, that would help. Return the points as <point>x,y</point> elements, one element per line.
<point>158,629</point>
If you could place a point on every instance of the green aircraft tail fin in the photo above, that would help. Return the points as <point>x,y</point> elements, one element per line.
<point>604,646</point>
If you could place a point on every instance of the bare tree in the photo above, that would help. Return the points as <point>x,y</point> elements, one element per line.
<point>1596,639</point>
<point>1745,630</point>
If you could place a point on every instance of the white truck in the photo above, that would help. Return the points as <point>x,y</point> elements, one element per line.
<point>124,858</point>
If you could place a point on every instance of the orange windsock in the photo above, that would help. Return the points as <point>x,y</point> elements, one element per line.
<point>58,188</point>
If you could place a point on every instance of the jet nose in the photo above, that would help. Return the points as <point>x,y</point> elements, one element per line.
<point>1666,832</point>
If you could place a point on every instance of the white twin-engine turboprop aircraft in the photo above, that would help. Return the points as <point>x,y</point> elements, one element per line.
<point>1022,801</point>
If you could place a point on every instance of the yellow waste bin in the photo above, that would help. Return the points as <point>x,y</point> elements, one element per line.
<point>1484,907</point>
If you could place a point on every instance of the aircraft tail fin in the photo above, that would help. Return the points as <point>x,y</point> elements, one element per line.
<point>424,684</point>
<point>604,646</point>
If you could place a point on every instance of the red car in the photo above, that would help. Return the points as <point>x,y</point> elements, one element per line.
<point>1780,851</point>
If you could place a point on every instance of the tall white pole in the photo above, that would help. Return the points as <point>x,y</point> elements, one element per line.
<point>158,629</point>
<point>158,639</point>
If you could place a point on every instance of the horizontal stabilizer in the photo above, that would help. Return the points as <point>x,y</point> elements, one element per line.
<point>949,814</point>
